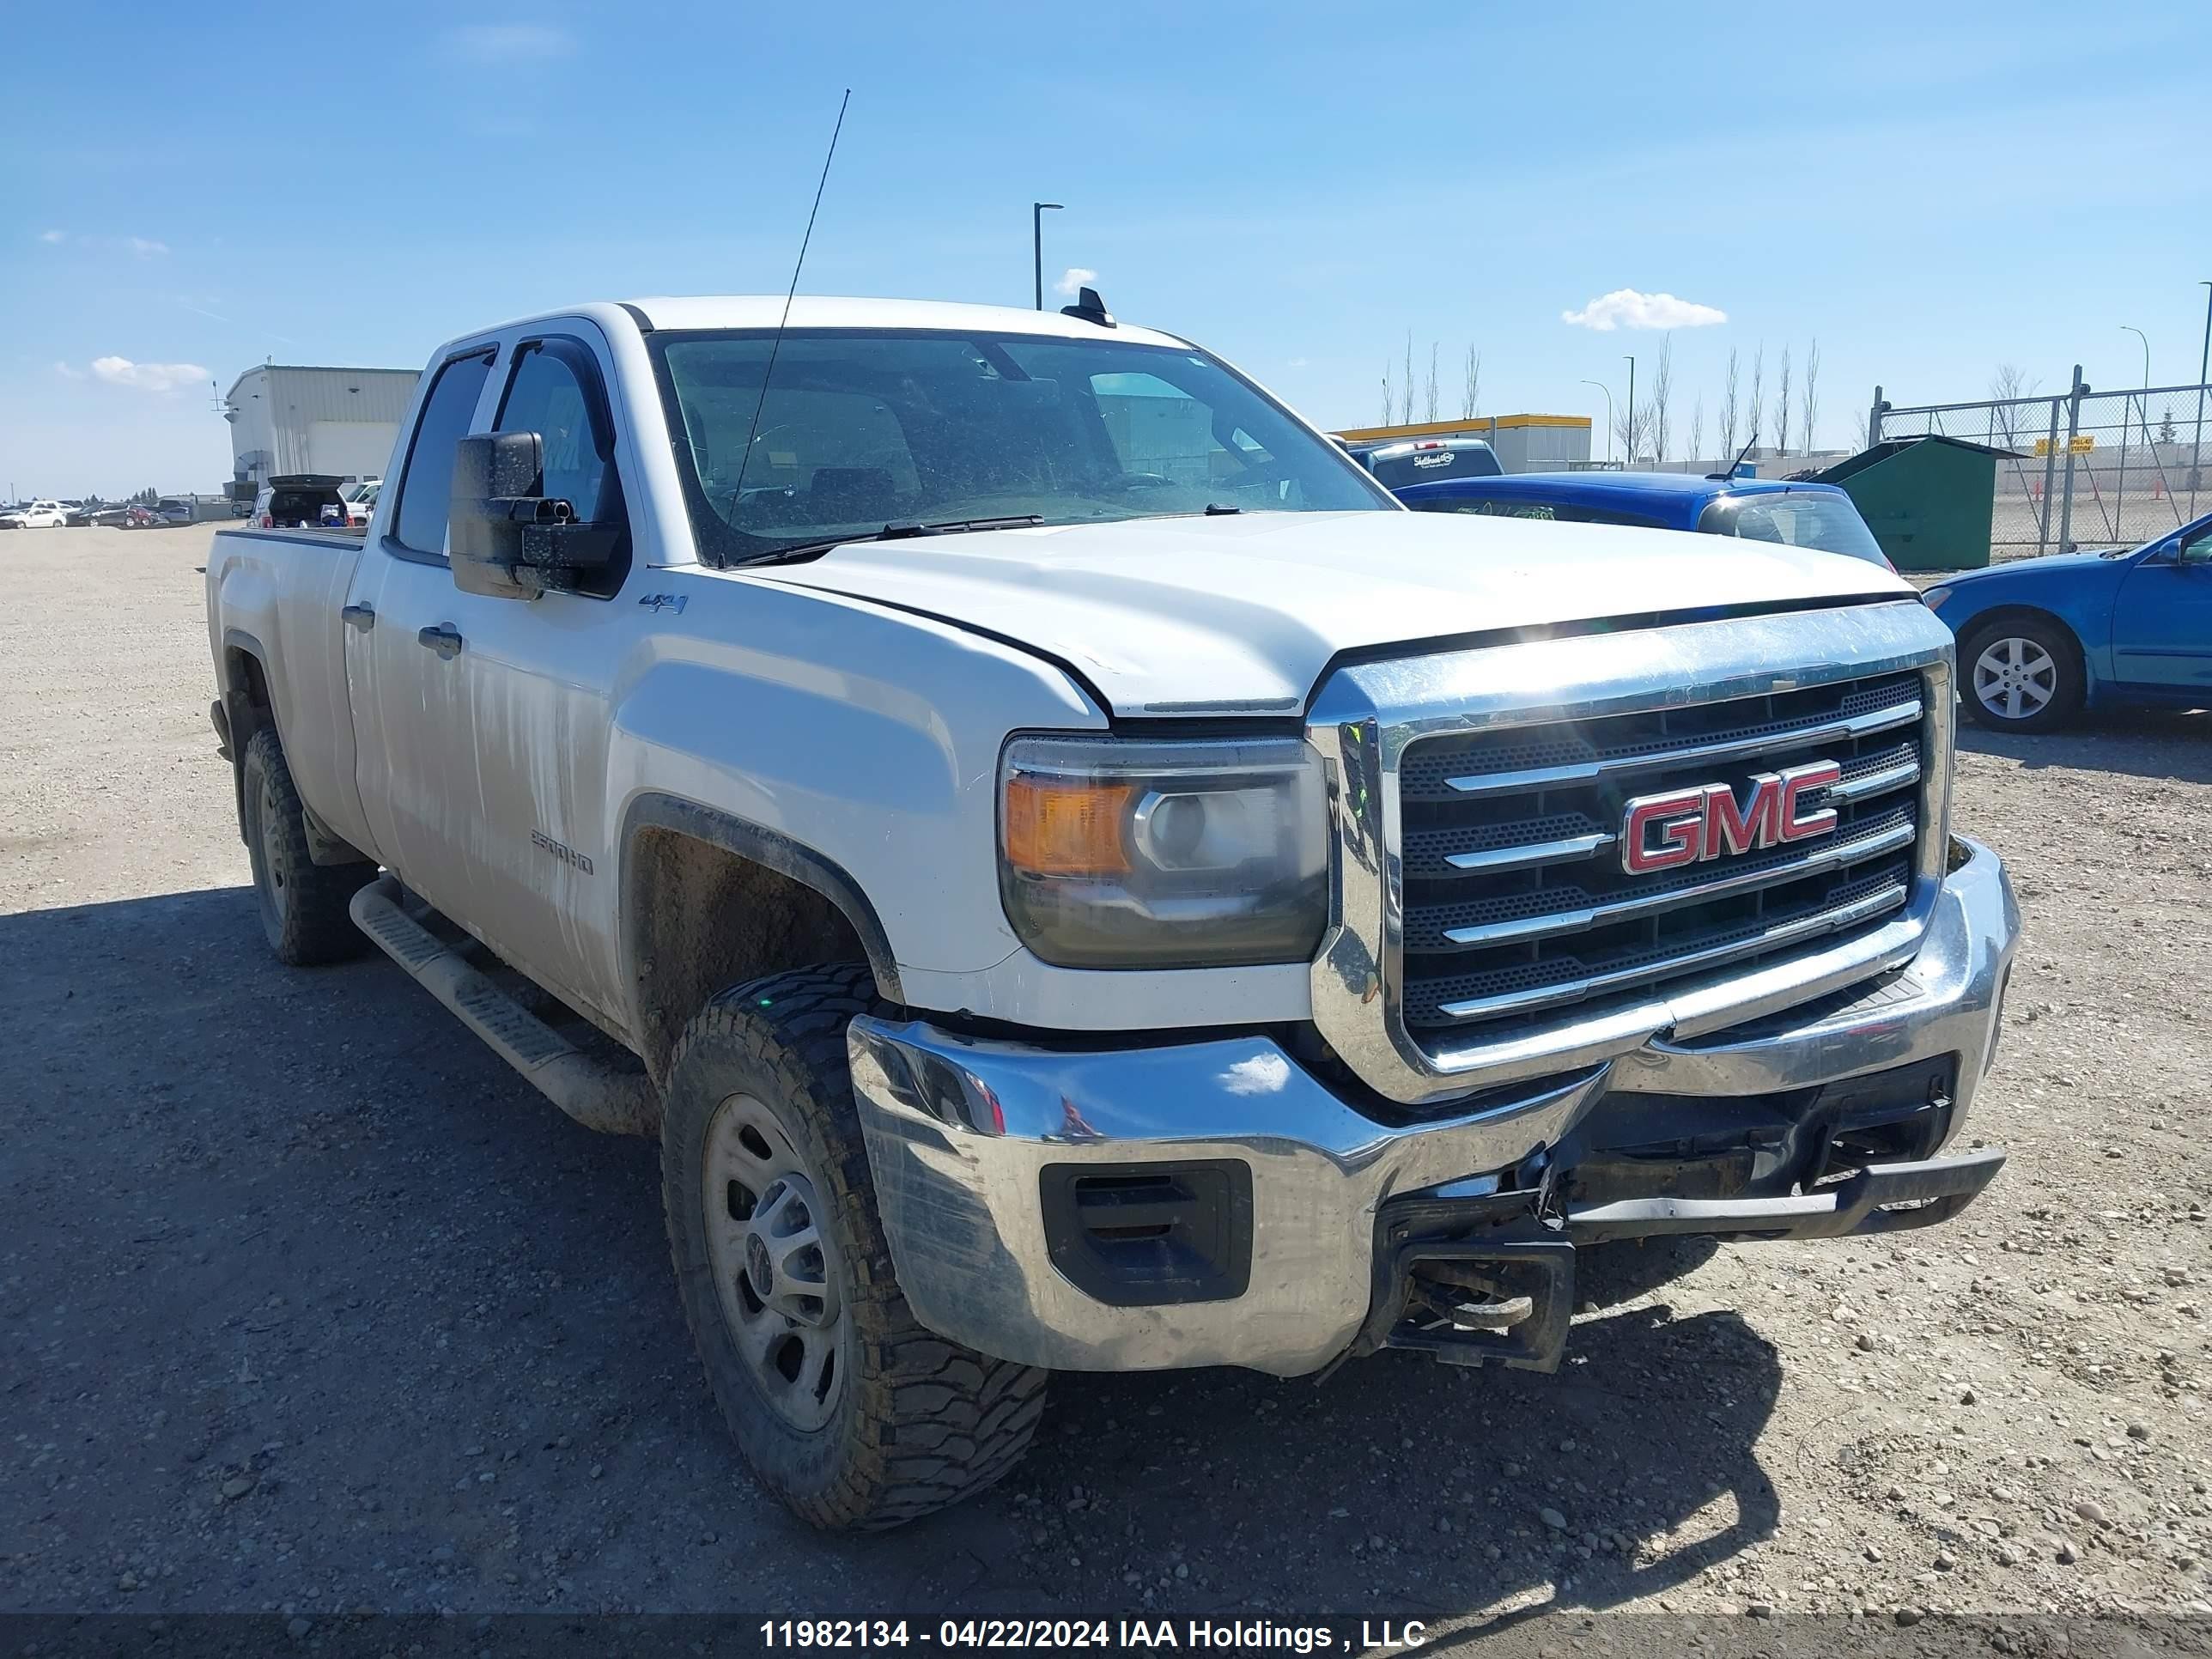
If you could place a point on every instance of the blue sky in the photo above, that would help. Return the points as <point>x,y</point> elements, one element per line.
<point>1928,190</point>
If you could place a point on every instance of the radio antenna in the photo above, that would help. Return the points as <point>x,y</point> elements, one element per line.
<point>760,403</point>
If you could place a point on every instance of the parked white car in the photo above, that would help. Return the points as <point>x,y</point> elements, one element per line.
<point>359,499</point>
<point>37,515</point>
<point>1077,877</point>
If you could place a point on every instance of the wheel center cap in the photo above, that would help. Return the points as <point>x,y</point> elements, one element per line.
<point>758,1268</point>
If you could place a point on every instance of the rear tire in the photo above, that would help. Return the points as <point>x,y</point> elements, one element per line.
<point>2021,674</point>
<point>302,904</point>
<point>846,1408</point>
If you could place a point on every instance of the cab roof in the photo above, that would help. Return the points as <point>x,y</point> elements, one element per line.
<point>764,311</point>
<point>1618,488</point>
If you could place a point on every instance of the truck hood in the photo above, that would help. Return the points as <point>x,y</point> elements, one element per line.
<point>1241,614</point>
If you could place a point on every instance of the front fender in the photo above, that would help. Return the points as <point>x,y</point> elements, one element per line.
<point>864,738</point>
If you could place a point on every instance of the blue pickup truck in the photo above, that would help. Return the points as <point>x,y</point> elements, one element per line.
<point>2039,639</point>
<point>1758,509</point>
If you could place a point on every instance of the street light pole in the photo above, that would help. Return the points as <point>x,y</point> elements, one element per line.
<point>1632,412</point>
<point>1608,389</point>
<point>1037,244</point>
<point>2120,485</point>
<point>2203,373</point>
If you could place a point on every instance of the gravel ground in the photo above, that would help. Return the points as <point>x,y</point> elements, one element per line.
<point>306,1303</point>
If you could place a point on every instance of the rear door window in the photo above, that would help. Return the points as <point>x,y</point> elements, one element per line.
<point>426,488</point>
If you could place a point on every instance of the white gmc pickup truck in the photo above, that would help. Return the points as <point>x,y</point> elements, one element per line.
<point>1077,877</point>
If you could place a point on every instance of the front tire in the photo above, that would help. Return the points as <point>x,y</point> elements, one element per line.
<point>846,1408</point>
<point>2022,674</point>
<point>302,904</point>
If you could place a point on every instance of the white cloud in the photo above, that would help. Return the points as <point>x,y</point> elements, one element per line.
<point>1625,307</point>
<point>147,377</point>
<point>1297,362</point>
<point>144,246</point>
<point>507,43</point>
<point>1074,278</point>
<point>1262,1074</point>
<point>67,373</point>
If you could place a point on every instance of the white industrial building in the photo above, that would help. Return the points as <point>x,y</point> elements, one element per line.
<point>287,419</point>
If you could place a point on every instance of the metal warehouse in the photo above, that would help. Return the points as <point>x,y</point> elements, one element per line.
<point>285,418</point>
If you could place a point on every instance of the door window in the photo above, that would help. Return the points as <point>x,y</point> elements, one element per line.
<point>547,394</point>
<point>426,489</point>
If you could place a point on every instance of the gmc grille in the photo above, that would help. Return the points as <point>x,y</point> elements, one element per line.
<point>1516,902</point>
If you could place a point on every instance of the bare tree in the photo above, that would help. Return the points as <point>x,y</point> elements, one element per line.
<point>1758,380</point>
<point>1782,407</point>
<point>1809,406</point>
<point>2010,383</point>
<point>1471,393</point>
<point>1729,410</point>
<point>1428,397</point>
<point>1389,406</point>
<point>1663,400</point>
<point>1632,426</point>
<point>1406,397</point>
<point>1697,434</point>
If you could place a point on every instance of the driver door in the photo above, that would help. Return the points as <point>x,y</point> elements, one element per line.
<point>2163,617</point>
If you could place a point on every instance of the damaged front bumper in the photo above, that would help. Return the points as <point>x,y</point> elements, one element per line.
<point>1215,1203</point>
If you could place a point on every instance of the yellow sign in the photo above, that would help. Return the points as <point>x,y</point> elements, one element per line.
<point>2081,446</point>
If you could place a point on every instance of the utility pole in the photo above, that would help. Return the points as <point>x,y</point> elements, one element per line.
<point>2120,487</point>
<point>2203,373</point>
<point>1631,411</point>
<point>1037,244</point>
<point>1608,389</point>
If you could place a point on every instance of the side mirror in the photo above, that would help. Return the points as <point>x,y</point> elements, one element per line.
<point>506,538</point>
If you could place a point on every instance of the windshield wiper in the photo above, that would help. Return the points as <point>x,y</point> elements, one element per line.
<point>894,533</point>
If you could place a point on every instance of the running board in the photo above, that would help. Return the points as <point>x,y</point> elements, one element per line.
<point>596,1095</point>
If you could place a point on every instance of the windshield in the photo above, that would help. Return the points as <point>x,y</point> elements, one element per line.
<point>864,428</point>
<point>1797,519</point>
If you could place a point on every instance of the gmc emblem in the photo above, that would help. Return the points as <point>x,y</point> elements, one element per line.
<point>1664,832</point>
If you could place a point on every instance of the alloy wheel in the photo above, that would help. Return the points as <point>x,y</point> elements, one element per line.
<point>2016,678</point>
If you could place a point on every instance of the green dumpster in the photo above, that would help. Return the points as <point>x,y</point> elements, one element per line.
<point>1927,500</point>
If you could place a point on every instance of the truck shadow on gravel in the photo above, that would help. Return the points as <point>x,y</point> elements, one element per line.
<point>2144,742</point>
<point>1402,1488</point>
<point>332,1307</point>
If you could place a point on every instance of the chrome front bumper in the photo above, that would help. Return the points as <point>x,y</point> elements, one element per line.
<point>961,1134</point>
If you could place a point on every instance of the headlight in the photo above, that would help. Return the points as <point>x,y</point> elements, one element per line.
<point>1934,597</point>
<point>1115,853</point>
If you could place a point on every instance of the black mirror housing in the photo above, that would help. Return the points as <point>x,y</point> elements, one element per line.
<point>506,537</point>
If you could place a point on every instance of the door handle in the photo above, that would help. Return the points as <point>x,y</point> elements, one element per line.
<point>362,617</point>
<point>445,639</point>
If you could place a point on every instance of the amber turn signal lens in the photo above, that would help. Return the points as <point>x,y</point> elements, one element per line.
<point>1066,827</point>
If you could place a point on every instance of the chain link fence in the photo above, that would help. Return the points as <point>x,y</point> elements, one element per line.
<point>2081,469</point>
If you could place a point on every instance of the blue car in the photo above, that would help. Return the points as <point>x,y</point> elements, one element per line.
<point>1758,509</point>
<point>2039,639</point>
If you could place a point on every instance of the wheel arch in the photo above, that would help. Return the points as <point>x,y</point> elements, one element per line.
<point>247,704</point>
<point>775,904</point>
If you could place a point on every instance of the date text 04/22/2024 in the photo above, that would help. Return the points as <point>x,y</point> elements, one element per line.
<point>1096,1635</point>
